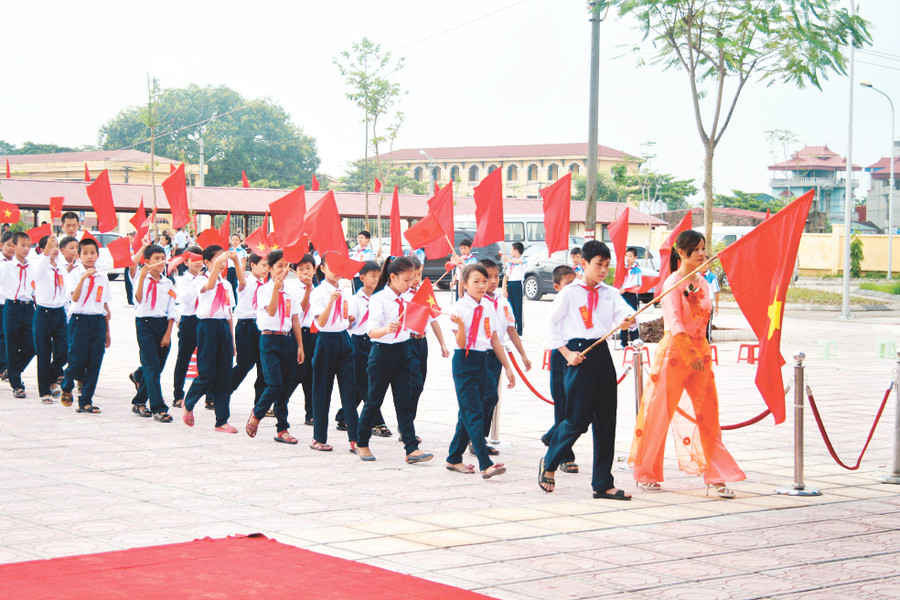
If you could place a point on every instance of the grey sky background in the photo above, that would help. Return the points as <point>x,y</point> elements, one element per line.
<point>517,76</point>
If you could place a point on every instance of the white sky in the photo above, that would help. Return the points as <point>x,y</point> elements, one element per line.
<point>518,76</point>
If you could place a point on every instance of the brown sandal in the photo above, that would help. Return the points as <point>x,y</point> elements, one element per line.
<point>568,467</point>
<point>252,425</point>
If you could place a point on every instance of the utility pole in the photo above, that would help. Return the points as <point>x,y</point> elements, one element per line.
<point>848,189</point>
<point>590,219</point>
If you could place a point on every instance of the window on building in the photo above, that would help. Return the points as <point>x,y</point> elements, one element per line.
<point>491,169</point>
<point>417,173</point>
<point>473,173</point>
<point>512,173</point>
<point>532,172</point>
<point>574,168</point>
<point>553,172</point>
<point>454,173</point>
<point>436,174</point>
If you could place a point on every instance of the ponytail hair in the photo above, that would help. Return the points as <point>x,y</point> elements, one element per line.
<point>686,241</point>
<point>393,266</point>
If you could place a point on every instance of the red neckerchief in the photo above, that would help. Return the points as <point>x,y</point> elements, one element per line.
<point>365,317</point>
<point>57,280</point>
<point>593,298</point>
<point>259,284</point>
<point>220,299</point>
<point>281,307</point>
<point>338,307</point>
<point>493,300</point>
<point>151,291</point>
<point>88,294</point>
<point>23,278</point>
<point>472,334</point>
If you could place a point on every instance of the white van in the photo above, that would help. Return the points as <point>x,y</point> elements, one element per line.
<point>528,229</point>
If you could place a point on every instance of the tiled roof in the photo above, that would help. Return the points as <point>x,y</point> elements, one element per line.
<point>504,152</point>
<point>93,156</point>
<point>35,193</point>
<point>818,158</point>
<point>881,169</point>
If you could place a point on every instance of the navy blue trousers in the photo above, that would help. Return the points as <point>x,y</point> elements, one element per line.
<point>51,345</point>
<point>150,331</point>
<point>626,336</point>
<point>469,375</point>
<point>302,375</point>
<point>17,320</point>
<point>418,366</point>
<point>246,340</point>
<point>129,290</point>
<point>333,358</point>
<point>2,341</point>
<point>215,349</point>
<point>590,401</point>
<point>87,344</point>
<point>361,346</point>
<point>389,366</point>
<point>278,355</point>
<point>187,343</point>
<point>491,394</point>
<point>515,293</point>
<point>558,395</point>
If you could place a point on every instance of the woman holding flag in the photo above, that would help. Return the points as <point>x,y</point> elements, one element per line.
<point>683,363</point>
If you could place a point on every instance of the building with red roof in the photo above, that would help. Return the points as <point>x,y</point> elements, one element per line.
<point>814,168</point>
<point>124,166</point>
<point>877,199</point>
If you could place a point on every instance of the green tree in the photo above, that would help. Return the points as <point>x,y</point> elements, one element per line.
<point>606,188</point>
<point>35,148</point>
<point>354,180</point>
<point>749,201</point>
<point>721,44</point>
<point>856,256</point>
<point>654,186</point>
<point>254,135</point>
<point>369,73</point>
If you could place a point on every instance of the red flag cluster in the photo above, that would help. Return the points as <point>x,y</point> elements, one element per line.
<point>441,207</point>
<point>422,307</point>
<point>100,194</point>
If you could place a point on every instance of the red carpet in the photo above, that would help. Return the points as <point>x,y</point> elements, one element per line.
<point>236,567</point>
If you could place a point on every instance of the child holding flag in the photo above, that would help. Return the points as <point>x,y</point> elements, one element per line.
<point>682,363</point>
<point>50,298</point>
<point>246,333</point>
<point>188,296</point>
<point>304,270</point>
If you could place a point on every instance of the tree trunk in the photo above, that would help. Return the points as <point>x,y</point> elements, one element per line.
<point>708,194</point>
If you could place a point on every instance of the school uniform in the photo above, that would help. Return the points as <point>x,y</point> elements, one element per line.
<point>361,254</point>
<point>468,259</point>
<point>17,283</point>
<point>215,347</point>
<point>50,335</point>
<point>302,375</point>
<point>231,274</point>
<point>246,338</point>
<point>188,297</point>
<point>418,361</point>
<point>581,316</point>
<point>87,332</point>
<point>491,393</point>
<point>515,277</point>
<point>333,357</point>
<point>3,260</point>
<point>631,286</point>
<point>362,344</point>
<point>713,280</point>
<point>470,374</point>
<point>552,341</point>
<point>388,366</point>
<point>278,352</point>
<point>151,320</point>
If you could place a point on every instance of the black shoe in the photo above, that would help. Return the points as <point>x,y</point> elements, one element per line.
<point>210,406</point>
<point>382,431</point>
<point>341,426</point>
<point>545,440</point>
<point>133,380</point>
<point>308,422</point>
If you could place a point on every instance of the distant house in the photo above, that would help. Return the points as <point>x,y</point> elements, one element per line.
<point>729,217</point>
<point>525,168</point>
<point>814,168</point>
<point>124,166</point>
<point>877,198</point>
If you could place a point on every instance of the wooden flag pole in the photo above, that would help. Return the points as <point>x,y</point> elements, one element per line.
<point>651,303</point>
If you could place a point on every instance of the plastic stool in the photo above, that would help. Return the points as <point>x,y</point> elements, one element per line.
<point>829,350</point>
<point>630,349</point>
<point>545,364</point>
<point>887,350</point>
<point>714,353</point>
<point>751,349</point>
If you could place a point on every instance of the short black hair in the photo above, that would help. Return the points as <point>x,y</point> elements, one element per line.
<point>209,253</point>
<point>194,249</point>
<point>307,258</point>
<point>43,242</point>
<point>487,263</point>
<point>5,237</point>
<point>631,249</point>
<point>561,271</point>
<point>366,235</point>
<point>153,249</point>
<point>473,268</point>
<point>519,247</point>
<point>574,251</point>
<point>273,257</point>
<point>69,215</point>
<point>594,248</point>
<point>18,236</point>
<point>369,266</point>
<point>88,241</point>
<point>415,261</point>
<point>66,241</point>
<point>254,259</point>
<point>466,242</point>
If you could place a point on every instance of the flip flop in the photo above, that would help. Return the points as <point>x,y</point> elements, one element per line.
<point>461,468</point>
<point>617,495</point>
<point>542,479</point>
<point>252,425</point>
<point>88,408</point>
<point>494,469</point>
<point>188,418</point>
<point>568,467</point>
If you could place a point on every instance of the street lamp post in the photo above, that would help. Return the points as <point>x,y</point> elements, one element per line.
<point>866,84</point>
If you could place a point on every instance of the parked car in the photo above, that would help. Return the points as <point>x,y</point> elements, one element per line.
<point>434,268</point>
<point>105,261</point>
<point>539,269</point>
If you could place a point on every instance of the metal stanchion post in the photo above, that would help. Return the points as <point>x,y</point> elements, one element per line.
<point>798,488</point>
<point>638,345</point>
<point>495,421</point>
<point>894,477</point>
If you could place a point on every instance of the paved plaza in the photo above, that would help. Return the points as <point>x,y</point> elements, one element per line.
<point>79,483</point>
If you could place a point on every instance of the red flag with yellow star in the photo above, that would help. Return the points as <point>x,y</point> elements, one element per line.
<point>759,267</point>
<point>425,296</point>
<point>9,212</point>
<point>258,241</point>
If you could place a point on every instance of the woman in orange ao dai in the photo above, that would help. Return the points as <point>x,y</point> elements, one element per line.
<point>682,363</point>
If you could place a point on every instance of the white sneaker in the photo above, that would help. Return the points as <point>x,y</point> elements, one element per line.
<point>55,391</point>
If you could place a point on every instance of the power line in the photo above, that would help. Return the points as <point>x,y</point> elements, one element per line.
<point>883,55</point>
<point>325,77</point>
<point>877,65</point>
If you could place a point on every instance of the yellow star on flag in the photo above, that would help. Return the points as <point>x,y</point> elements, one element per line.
<point>261,246</point>
<point>774,314</point>
<point>274,246</point>
<point>431,301</point>
<point>7,212</point>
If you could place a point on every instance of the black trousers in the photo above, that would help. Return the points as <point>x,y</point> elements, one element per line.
<point>215,349</point>
<point>333,358</point>
<point>515,292</point>
<point>389,366</point>
<point>558,395</point>
<point>302,373</point>
<point>362,344</point>
<point>418,366</point>
<point>150,331</point>
<point>278,355</point>
<point>187,343</point>
<point>246,341</point>
<point>87,344</point>
<point>469,375</point>
<point>51,345</point>
<point>18,317</point>
<point>626,336</point>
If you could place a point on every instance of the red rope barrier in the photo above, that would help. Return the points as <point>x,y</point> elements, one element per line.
<point>532,388</point>
<point>827,440</point>
<point>746,423</point>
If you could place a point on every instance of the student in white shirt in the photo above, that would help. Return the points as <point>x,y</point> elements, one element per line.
<point>8,250</point>
<point>304,270</point>
<point>246,333</point>
<point>362,252</point>
<point>280,347</point>
<point>154,316</point>
<point>389,360</point>
<point>474,323</point>
<point>188,296</point>
<point>586,311</point>
<point>89,335</point>
<point>515,276</point>
<point>17,286</point>
<point>50,337</point>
